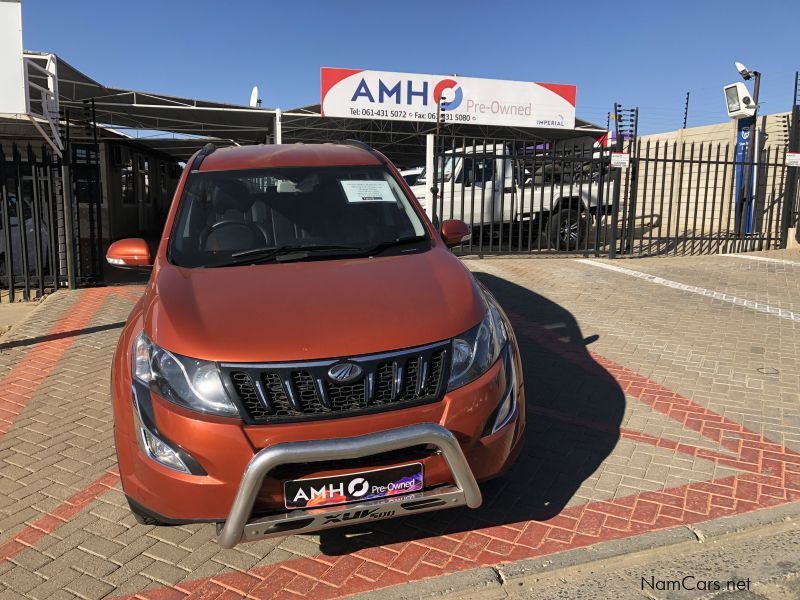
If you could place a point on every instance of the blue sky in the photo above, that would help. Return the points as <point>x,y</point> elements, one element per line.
<point>646,54</point>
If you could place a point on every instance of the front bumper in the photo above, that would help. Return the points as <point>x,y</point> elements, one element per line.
<point>226,450</point>
<point>238,527</point>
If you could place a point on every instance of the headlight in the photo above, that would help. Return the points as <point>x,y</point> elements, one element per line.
<point>189,382</point>
<point>477,349</point>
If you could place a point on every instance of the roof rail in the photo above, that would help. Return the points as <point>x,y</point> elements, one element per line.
<point>363,146</point>
<point>209,148</point>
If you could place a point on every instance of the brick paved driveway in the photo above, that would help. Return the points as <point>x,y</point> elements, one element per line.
<point>661,393</point>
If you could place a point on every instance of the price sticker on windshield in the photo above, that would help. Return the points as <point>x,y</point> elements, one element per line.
<point>367,190</point>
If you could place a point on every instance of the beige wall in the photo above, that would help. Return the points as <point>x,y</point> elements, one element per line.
<point>776,127</point>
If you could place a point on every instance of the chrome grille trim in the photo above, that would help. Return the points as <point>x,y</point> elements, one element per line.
<point>262,394</point>
<point>323,392</point>
<point>398,381</point>
<point>370,387</point>
<point>331,361</point>
<point>423,376</point>
<point>287,385</point>
<point>390,381</point>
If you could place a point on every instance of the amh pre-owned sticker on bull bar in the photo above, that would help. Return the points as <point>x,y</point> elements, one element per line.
<point>351,487</point>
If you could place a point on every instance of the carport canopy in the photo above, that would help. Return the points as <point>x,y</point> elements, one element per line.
<point>179,126</point>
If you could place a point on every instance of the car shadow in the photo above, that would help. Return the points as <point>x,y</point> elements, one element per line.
<point>574,410</point>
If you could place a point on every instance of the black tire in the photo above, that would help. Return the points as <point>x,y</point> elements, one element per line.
<point>567,229</point>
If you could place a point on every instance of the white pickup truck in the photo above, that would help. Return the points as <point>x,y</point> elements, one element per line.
<point>566,189</point>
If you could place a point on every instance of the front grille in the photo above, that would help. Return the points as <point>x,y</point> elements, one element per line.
<point>288,392</point>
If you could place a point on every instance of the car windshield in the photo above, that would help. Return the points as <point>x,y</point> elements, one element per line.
<point>241,217</point>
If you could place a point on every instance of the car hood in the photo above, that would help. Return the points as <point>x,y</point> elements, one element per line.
<point>311,310</point>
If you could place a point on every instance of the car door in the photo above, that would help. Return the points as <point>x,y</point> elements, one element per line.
<point>477,179</point>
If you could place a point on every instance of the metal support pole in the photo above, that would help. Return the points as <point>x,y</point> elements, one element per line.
<point>436,217</point>
<point>617,181</point>
<point>96,183</point>
<point>686,111</point>
<point>278,133</point>
<point>66,190</point>
<point>5,221</point>
<point>21,227</point>
<point>633,193</point>
<point>748,197</point>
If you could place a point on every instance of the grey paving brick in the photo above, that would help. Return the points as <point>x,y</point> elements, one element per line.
<point>89,588</point>
<point>21,580</point>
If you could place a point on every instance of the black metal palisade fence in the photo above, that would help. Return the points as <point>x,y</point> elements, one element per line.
<point>646,198</point>
<point>639,198</point>
<point>31,224</point>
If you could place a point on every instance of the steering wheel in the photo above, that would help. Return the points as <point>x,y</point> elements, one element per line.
<point>252,227</point>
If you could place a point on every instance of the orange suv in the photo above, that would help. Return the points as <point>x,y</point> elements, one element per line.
<point>308,353</point>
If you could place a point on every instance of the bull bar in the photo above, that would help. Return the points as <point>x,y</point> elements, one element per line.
<point>239,528</point>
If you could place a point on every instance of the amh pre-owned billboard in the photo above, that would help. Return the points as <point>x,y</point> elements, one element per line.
<point>360,94</point>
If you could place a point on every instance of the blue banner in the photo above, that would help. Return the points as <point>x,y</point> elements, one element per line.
<point>743,202</point>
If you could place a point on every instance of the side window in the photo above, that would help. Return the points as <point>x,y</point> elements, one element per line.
<point>466,175</point>
<point>484,169</point>
<point>477,169</point>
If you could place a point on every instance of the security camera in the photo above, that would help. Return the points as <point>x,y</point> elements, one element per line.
<point>743,71</point>
<point>738,100</point>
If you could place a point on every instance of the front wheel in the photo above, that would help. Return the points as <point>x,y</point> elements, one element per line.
<point>568,229</point>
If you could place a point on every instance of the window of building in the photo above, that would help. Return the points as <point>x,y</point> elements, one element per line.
<point>128,184</point>
<point>162,176</point>
<point>144,167</point>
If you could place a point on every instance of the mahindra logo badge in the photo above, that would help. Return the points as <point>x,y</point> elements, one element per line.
<point>344,372</point>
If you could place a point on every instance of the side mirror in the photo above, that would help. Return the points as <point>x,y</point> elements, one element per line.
<point>455,232</point>
<point>131,253</point>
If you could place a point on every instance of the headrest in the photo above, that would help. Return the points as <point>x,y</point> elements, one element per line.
<point>231,194</point>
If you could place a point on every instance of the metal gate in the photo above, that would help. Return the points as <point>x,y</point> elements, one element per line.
<point>37,243</point>
<point>527,196</point>
<point>692,198</point>
<point>566,197</point>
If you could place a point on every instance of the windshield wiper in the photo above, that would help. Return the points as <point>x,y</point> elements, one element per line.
<point>295,252</point>
<point>289,252</point>
<point>385,245</point>
<point>272,251</point>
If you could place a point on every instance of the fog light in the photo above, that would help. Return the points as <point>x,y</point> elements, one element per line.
<point>155,447</point>
<point>160,451</point>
